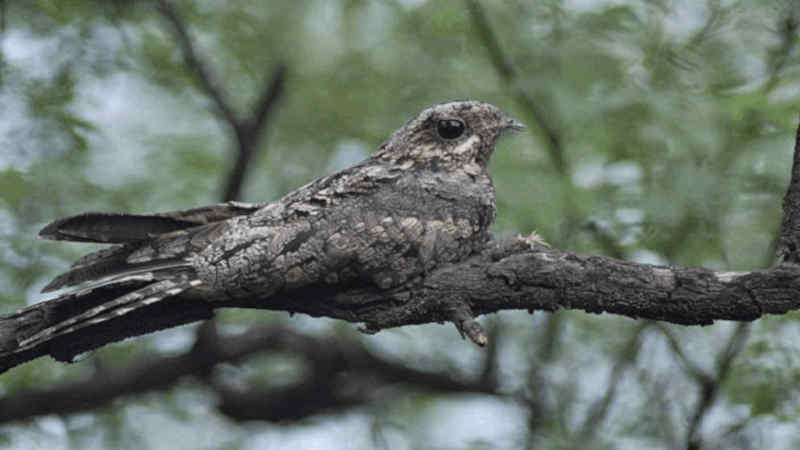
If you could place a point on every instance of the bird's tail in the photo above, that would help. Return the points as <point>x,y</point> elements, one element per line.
<point>135,292</point>
<point>130,288</point>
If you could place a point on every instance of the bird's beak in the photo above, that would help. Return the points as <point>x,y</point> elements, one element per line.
<point>513,125</point>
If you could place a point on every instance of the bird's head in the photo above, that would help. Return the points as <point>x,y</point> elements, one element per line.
<point>449,135</point>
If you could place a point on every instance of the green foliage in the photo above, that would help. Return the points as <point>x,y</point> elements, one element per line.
<point>674,120</point>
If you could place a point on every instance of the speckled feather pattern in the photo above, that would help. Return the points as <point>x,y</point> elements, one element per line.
<point>421,201</point>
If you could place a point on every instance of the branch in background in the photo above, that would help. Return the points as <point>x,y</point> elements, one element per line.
<point>695,371</point>
<point>342,374</point>
<point>599,410</point>
<point>247,131</point>
<point>250,132</point>
<point>709,389</point>
<point>787,33</point>
<point>714,20</point>
<point>605,239</point>
<point>708,384</point>
<point>488,376</point>
<point>192,61</point>
<point>266,100</point>
<point>509,76</point>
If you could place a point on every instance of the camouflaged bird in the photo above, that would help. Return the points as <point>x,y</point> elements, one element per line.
<point>423,200</point>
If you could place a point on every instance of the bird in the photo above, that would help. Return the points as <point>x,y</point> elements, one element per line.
<point>423,200</point>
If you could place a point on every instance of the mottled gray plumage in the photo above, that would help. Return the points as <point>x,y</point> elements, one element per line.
<point>423,200</point>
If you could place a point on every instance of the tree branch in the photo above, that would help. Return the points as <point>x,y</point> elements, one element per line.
<point>789,240</point>
<point>508,275</point>
<point>787,31</point>
<point>323,389</point>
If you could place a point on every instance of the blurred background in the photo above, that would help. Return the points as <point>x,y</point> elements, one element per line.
<point>658,131</point>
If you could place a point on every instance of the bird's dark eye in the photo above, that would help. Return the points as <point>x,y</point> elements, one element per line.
<point>450,129</point>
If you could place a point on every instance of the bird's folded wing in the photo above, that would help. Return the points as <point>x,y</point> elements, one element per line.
<point>117,228</point>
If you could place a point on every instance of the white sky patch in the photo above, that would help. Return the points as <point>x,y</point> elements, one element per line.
<point>589,174</point>
<point>685,17</point>
<point>586,5</point>
<point>623,173</point>
<point>350,431</point>
<point>596,173</point>
<point>14,126</point>
<point>37,56</point>
<point>629,215</point>
<point>411,4</point>
<point>347,153</point>
<point>647,257</point>
<point>125,108</point>
<point>472,419</point>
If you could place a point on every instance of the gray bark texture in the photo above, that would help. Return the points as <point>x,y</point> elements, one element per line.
<point>399,239</point>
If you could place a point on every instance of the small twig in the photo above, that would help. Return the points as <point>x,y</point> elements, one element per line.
<point>710,389</point>
<point>606,240</point>
<point>197,66</point>
<point>463,319</point>
<point>270,94</point>
<point>715,14</point>
<point>598,411</point>
<point>249,133</point>
<point>788,35</point>
<point>488,377</point>
<point>700,376</point>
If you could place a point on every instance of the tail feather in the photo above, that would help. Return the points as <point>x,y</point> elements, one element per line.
<point>120,228</point>
<point>102,254</point>
<point>111,227</point>
<point>106,270</point>
<point>160,252</point>
<point>152,261</point>
<point>133,300</point>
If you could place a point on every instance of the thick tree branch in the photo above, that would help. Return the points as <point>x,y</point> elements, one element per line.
<point>508,275</point>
